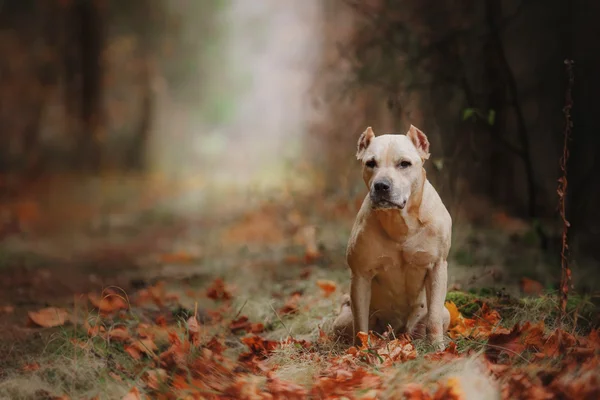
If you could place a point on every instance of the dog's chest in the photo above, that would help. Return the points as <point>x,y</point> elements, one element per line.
<point>398,281</point>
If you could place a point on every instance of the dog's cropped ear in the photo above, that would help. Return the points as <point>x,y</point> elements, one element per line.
<point>420,141</point>
<point>363,142</point>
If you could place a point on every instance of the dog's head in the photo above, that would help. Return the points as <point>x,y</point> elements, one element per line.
<point>393,166</point>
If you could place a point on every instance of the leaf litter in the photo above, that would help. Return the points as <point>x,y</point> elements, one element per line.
<point>230,353</point>
<point>191,363</point>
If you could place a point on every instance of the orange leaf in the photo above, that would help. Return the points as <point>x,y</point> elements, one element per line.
<point>529,286</point>
<point>7,309</point>
<point>285,390</point>
<point>218,291</point>
<point>455,315</point>
<point>110,302</point>
<point>144,345</point>
<point>49,317</point>
<point>34,366</point>
<point>133,394</point>
<point>327,286</point>
<point>414,391</point>
<point>177,258</point>
<point>240,324</point>
<point>291,305</point>
<point>154,378</point>
<point>450,391</point>
<point>133,352</point>
<point>119,334</point>
<point>258,347</point>
<point>364,339</point>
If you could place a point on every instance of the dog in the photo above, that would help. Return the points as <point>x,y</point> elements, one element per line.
<point>398,248</point>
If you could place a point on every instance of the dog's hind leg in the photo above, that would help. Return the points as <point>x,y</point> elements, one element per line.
<point>343,327</point>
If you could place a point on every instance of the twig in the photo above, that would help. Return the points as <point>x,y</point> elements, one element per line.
<point>565,279</point>
<point>280,320</point>
<point>240,310</point>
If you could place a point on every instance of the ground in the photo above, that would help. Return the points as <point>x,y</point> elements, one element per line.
<point>239,304</point>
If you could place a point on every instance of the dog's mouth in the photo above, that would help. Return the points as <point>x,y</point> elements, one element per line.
<point>385,204</point>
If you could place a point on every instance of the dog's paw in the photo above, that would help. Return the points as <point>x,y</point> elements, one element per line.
<point>439,346</point>
<point>437,341</point>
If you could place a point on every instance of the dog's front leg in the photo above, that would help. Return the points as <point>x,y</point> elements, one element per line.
<point>436,281</point>
<point>360,297</point>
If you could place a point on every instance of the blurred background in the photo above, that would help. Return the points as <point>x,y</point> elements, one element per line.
<point>198,126</point>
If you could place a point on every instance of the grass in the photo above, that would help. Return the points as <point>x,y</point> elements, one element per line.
<point>81,372</point>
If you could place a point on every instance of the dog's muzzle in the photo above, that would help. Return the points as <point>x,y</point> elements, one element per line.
<point>381,196</point>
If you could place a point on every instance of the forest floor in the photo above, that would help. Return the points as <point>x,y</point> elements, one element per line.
<point>240,305</point>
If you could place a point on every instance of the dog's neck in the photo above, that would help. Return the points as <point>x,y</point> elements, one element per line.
<point>397,224</point>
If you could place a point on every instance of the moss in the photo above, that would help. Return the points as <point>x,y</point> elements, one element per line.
<point>470,309</point>
<point>460,298</point>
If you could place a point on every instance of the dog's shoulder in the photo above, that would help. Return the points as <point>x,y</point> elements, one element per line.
<point>434,213</point>
<point>359,231</point>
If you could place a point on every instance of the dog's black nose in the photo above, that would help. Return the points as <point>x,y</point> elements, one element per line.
<point>382,186</point>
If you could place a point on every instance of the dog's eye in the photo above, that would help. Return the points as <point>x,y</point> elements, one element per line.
<point>404,164</point>
<point>371,164</point>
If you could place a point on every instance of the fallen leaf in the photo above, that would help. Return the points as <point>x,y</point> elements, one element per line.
<point>291,305</point>
<point>246,388</point>
<point>454,313</point>
<point>34,366</point>
<point>531,287</point>
<point>341,383</point>
<point>7,309</point>
<point>240,324</point>
<point>49,317</point>
<point>376,350</point>
<point>154,378</point>
<point>284,390</point>
<point>177,258</point>
<point>449,391</point>
<point>109,302</point>
<point>118,334</point>
<point>243,324</point>
<point>144,346</point>
<point>133,394</point>
<point>133,351</point>
<point>218,291</point>
<point>258,347</point>
<point>327,286</point>
<point>415,391</point>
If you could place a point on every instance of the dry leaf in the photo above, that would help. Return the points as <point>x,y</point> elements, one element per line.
<point>531,287</point>
<point>327,286</point>
<point>109,302</point>
<point>291,305</point>
<point>133,394</point>
<point>154,378</point>
<point>177,258</point>
<point>49,317</point>
<point>118,334</point>
<point>7,309</point>
<point>450,391</point>
<point>218,291</point>
<point>34,366</point>
<point>454,313</point>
